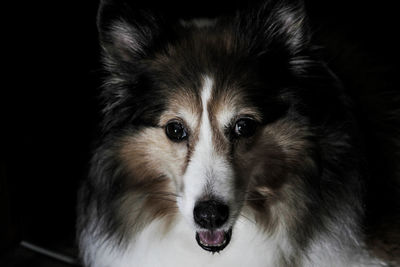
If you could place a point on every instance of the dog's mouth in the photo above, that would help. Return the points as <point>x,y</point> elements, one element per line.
<point>213,240</point>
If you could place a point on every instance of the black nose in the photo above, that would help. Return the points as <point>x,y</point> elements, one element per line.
<point>210,214</point>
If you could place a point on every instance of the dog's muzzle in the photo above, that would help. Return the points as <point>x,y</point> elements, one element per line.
<point>211,216</point>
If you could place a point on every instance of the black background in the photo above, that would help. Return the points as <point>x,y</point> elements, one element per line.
<point>52,78</point>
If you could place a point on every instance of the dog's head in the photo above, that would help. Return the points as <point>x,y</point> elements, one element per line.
<point>213,118</point>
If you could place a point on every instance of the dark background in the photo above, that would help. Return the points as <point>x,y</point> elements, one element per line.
<point>50,111</point>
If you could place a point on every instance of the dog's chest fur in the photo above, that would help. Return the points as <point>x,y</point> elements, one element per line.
<point>154,247</point>
<point>177,248</point>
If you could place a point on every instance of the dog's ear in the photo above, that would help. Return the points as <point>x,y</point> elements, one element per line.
<point>126,32</point>
<point>292,24</point>
<point>278,22</point>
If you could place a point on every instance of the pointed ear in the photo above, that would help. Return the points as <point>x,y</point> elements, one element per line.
<point>126,32</point>
<point>282,23</point>
<point>291,24</point>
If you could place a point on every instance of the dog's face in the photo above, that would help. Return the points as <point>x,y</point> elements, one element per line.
<point>207,116</point>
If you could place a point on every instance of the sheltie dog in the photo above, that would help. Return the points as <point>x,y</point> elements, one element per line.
<point>225,142</point>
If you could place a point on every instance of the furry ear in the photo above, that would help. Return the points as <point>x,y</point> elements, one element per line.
<point>127,35</point>
<point>126,32</point>
<point>280,22</point>
<point>293,28</point>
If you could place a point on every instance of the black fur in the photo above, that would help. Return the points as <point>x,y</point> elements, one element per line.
<point>271,55</point>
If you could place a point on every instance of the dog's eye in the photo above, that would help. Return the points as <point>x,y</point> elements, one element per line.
<point>175,131</point>
<point>245,127</point>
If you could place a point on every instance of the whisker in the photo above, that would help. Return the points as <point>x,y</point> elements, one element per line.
<point>247,218</point>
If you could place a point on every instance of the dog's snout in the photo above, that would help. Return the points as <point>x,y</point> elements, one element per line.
<point>210,214</point>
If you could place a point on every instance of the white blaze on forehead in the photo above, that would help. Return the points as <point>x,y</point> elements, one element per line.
<point>206,166</point>
<point>197,171</point>
<point>205,136</point>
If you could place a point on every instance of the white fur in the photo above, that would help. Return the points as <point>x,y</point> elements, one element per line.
<point>156,246</point>
<point>248,247</point>
<point>206,165</point>
<point>178,248</point>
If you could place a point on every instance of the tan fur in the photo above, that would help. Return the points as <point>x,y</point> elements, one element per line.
<point>264,164</point>
<point>154,164</point>
<point>224,108</point>
<point>149,153</point>
<point>183,106</point>
<point>270,162</point>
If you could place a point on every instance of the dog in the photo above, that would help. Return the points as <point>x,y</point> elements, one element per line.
<point>225,142</point>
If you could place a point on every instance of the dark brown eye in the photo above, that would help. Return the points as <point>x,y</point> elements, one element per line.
<point>245,127</point>
<point>175,131</point>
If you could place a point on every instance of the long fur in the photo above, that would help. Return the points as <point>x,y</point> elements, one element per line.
<point>295,188</point>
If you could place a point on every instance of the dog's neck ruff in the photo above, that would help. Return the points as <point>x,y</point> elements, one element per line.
<point>177,248</point>
<point>153,247</point>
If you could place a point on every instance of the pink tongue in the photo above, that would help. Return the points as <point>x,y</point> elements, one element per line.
<point>212,238</point>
